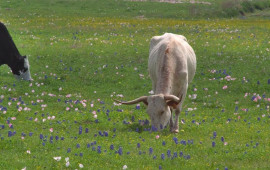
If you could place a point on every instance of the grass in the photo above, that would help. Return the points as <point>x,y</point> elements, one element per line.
<point>82,52</point>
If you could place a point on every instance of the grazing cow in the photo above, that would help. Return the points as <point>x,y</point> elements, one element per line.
<point>10,55</point>
<point>172,66</point>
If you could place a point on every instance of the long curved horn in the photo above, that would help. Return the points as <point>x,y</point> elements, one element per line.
<point>173,98</point>
<point>135,101</point>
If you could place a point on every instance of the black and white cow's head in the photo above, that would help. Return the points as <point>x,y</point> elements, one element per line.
<point>21,70</point>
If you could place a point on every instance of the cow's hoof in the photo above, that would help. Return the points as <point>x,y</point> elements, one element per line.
<point>175,131</point>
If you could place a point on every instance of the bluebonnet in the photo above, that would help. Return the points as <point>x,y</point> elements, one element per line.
<point>111,147</point>
<point>86,130</point>
<point>41,136</point>
<point>78,145</point>
<point>99,149</point>
<point>120,151</point>
<point>214,134</point>
<point>150,151</point>
<point>213,144</point>
<point>222,139</point>
<point>68,150</point>
<point>162,156</point>
<point>175,140</point>
<point>163,143</point>
<point>138,145</point>
<point>169,153</point>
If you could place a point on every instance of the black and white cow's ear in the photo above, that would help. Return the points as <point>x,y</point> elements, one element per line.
<point>24,57</point>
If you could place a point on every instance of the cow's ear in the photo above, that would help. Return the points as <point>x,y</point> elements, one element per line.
<point>24,57</point>
<point>172,104</point>
<point>146,103</point>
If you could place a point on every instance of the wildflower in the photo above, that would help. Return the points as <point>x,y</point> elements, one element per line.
<point>57,158</point>
<point>213,144</point>
<point>162,156</point>
<point>28,151</point>
<point>51,129</point>
<point>125,167</point>
<point>157,137</point>
<point>224,87</point>
<point>150,151</point>
<point>81,165</point>
<point>67,164</point>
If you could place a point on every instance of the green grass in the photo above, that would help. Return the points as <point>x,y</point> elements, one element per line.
<point>91,50</point>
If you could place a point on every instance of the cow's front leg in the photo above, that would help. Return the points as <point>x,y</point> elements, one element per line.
<point>175,128</point>
<point>171,120</point>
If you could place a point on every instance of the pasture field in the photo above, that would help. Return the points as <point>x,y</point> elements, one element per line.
<point>84,53</point>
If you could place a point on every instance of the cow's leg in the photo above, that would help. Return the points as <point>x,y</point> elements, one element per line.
<point>183,93</point>
<point>175,128</point>
<point>171,120</point>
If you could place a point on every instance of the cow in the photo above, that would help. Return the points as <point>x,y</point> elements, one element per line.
<point>10,55</point>
<point>171,66</point>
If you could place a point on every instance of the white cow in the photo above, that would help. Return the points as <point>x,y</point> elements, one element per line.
<point>172,66</point>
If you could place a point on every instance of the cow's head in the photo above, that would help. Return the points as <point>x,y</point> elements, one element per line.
<point>158,108</point>
<point>22,69</point>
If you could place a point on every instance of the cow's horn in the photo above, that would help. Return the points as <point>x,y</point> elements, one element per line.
<point>140,99</point>
<point>173,98</point>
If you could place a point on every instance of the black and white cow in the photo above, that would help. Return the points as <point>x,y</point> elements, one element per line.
<point>10,55</point>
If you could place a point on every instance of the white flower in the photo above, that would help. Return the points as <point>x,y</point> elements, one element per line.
<point>81,165</point>
<point>28,151</point>
<point>57,158</point>
<point>67,164</point>
<point>67,159</point>
<point>24,168</point>
<point>125,167</point>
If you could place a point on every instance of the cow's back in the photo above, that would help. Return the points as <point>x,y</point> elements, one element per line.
<point>180,53</point>
<point>7,46</point>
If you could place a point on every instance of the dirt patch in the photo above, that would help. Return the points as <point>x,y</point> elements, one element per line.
<point>174,1</point>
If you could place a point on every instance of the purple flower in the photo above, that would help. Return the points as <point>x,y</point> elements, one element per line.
<point>160,167</point>
<point>169,153</point>
<point>120,151</point>
<point>175,154</point>
<point>213,144</point>
<point>78,146</point>
<point>88,145</point>
<point>214,134</point>
<point>163,143</point>
<point>81,154</point>
<point>68,150</point>
<point>222,139</point>
<point>138,145</point>
<point>162,156</point>
<point>112,147</point>
<point>99,149</point>
<point>175,140</point>
<point>150,151</point>
<point>86,130</point>
<point>180,153</point>
<point>41,136</point>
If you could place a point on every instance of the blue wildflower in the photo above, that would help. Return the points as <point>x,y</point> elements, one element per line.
<point>175,140</point>
<point>169,153</point>
<point>68,150</point>
<point>150,151</point>
<point>112,147</point>
<point>163,143</point>
<point>99,149</point>
<point>78,145</point>
<point>162,156</point>
<point>138,145</point>
<point>213,144</point>
<point>120,151</point>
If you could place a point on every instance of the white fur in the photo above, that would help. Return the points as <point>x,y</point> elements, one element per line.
<point>172,65</point>
<point>25,75</point>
